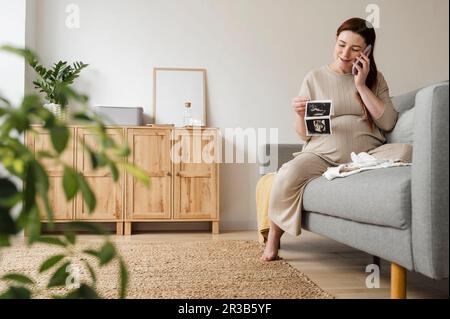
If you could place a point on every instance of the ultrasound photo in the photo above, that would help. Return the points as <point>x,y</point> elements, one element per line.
<point>318,127</point>
<point>318,117</point>
<point>318,108</point>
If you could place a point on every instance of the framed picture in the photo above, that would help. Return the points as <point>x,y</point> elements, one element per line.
<point>173,88</point>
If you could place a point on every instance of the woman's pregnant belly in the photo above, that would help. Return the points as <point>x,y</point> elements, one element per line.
<point>350,133</point>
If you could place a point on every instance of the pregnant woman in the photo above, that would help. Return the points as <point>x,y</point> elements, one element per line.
<point>363,112</point>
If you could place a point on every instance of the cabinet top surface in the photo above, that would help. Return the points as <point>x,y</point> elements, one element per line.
<point>138,127</point>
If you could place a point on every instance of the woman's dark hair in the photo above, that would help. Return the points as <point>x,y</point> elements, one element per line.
<point>365,29</point>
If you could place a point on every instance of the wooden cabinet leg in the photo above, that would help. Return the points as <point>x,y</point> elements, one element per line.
<point>119,228</point>
<point>377,261</point>
<point>127,230</point>
<point>215,227</point>
<point>398,282</point>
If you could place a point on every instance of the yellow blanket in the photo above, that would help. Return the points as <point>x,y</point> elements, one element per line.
<point>263,188</point>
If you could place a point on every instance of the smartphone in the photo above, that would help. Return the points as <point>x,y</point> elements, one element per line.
<point>366,52</point>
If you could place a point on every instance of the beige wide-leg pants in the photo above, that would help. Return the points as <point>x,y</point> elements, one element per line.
<point>285,203</point>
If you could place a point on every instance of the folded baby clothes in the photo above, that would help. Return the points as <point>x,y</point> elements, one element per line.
<point>361,162</point>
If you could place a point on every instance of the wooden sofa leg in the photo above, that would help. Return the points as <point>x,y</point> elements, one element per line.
<point>398,282</point>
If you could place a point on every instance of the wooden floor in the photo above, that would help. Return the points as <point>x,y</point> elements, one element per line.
<point>336,268</point>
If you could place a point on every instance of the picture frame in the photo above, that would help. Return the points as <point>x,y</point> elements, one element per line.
<point>172,89</point>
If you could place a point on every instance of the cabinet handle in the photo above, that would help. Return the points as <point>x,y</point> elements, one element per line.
<point>169,174</point>
<point>193,174</point>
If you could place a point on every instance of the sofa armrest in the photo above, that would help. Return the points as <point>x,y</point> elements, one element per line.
<point>429,182</point>
<point>275,155</point>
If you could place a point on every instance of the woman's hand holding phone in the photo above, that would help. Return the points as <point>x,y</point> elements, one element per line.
<point>299,105</point>
<point>361,67</point>
<point>357,63</point>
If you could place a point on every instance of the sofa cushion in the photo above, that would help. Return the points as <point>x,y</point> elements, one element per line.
<point>404,128</point>
<point>380,197</point>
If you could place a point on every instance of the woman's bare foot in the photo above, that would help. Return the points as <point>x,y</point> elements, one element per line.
<point>270,252</point>
<point>273,243</point>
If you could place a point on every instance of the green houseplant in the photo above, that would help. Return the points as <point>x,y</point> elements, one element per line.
<point>24,165</point>
<point>51,82</point>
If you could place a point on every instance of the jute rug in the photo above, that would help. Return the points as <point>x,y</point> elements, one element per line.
<point>194,269</point>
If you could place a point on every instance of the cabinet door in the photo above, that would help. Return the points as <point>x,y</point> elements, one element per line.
<point>62,209</point>
<point>195,174</point>
<point>108,194</point>
<point>150,151</point>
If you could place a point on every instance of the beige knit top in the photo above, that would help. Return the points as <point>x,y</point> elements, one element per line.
<point>350,132</point>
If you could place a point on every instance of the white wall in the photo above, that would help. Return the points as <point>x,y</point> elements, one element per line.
<point>12,32</point>
<point>256,53</point>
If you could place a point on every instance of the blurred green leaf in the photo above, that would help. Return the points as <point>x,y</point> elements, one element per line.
<point>29,189</point>
<point>81,117</point>
<point>97,159</point>
<point>93,157</point>
<point>7,188</point>
<point>9,194</point>
<point>59,277</point>
<point>26,53</point>
<point>33,225</point>
<point>91,271</point>
<point>123,150</point>
<point>70,237</point>
<point>19,278</point>
<point>123,279</point>
<point>44,154</point>
<point>42,186</point>
<point>5,102</point>
<point>140,174</point>
<point>114,171</point>
<point>46,116</point>
<point>18,166</point>
<point>50,262</point>
<point>7,224</point>
<point>92,252</point>
<point>19,120</point>
<point>41,177</point>
<point>107,142</point>
<point>16,293</point>
<point>11,201</point>
<point>70,182</point>
<point>84,292</point>
<point>107,253</point>
<point>51,241</point>
<point>30,103</point>
<point>4,240</point>
<point>59,136</point>
<point>88,195</point>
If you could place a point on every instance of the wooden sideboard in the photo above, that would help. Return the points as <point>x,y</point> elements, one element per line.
<point>181,164</point>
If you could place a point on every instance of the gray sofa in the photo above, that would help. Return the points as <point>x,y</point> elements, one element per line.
<point>398,214</point>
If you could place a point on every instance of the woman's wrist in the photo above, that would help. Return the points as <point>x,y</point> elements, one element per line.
<point>361,88</point>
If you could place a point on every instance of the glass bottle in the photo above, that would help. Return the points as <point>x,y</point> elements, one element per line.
<point>187,114</point>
